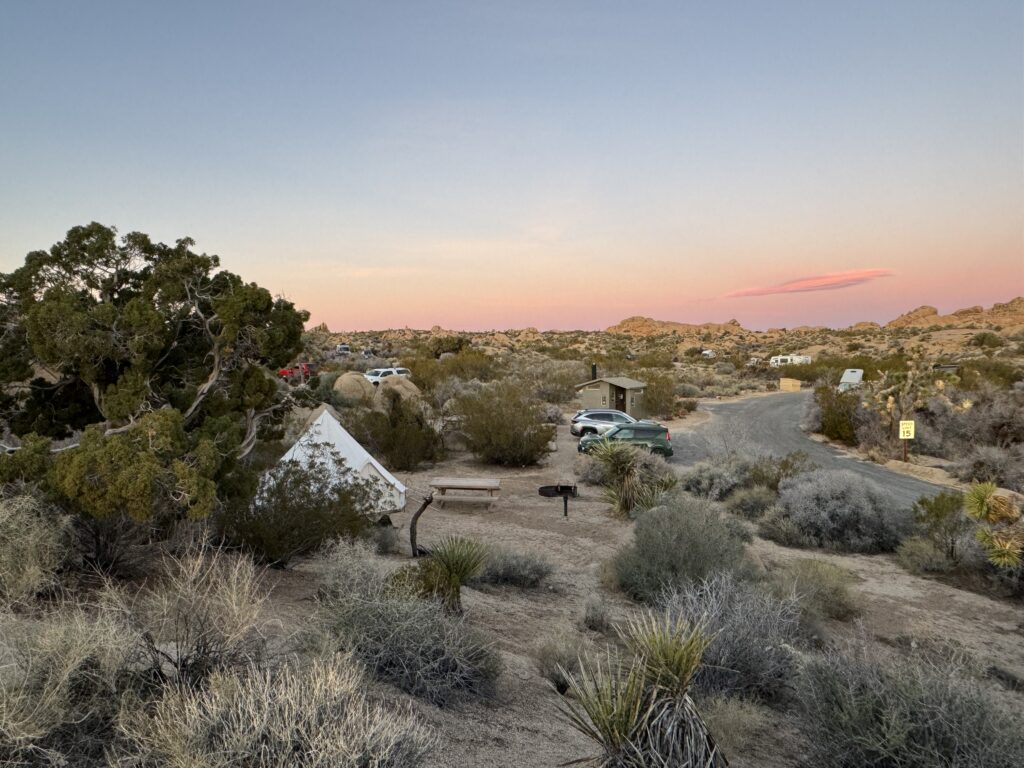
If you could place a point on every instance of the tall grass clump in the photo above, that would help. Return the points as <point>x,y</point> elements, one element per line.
<point>638,711</point>
<point>633,479</point>
<point>401,637</point>
<point>860,709</point>
<point>35,542</point>
<point>518,569</point>
<point>685,539</point>
<point>752,636</point>
<point>840,510</point>
<point>314,716</point>
<point>558,657</point>
<point>823,589</point>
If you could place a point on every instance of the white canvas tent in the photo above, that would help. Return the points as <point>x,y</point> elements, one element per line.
<point>323,427</point>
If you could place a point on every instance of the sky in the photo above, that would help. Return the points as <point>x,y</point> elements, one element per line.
<point>553,164</point>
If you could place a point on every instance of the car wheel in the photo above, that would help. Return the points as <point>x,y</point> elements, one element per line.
<point>658,452</point>
<point>588,431</point>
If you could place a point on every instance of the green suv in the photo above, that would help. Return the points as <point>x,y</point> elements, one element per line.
<point>652,437</point>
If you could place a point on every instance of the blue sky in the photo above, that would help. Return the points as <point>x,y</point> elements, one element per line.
<point>468,164</point>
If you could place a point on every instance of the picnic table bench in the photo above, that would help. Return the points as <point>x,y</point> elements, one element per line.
<point>478,486</point>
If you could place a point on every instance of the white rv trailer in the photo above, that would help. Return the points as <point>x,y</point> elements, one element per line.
<point>779,360</point>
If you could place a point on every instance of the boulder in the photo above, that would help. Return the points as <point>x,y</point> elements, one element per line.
<point>354,386</point>
<point>404,388</point>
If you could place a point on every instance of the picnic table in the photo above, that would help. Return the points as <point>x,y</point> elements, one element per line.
<point>477,486</point>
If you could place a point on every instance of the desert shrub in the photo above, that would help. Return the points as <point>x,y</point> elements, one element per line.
<point>841,510</point>
<point>770,471</point>
<point>589,470</point>
<point>725,368</point>
<point>209,609</point>
<point>737,725</point>
<point>659,394</point>
<point>553,414</point>
<point>859,709</point>
<point>718,478</point>
<point>61,679</point>
<point>634,479</point>
<point>776,525</point>
<point>34,544</point>
<point>596,615</point>
<point>387,540</point>
<point>402,434</point>
<point>558,657</point>
<point>823,589</point>
<point>638,711</point>
<point>686,389</point>
<point>504,424</point>
<point>987,340</point>
<point>751,503</point>
<point>403,639</point>
<point>299,506</point>
<point>942,520</point>
<point>752,636</point>
<point>314,716</point>
<point>554,381</point>
<point>992,464</point>
<point>519,569</point>
<point>838,410</point>
<point>685,539</point>
<point>447,345</point>
<point>453,562</point>
<point>919,554</point>
<point>689,405</point>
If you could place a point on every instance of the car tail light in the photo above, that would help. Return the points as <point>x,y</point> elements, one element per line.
<point>668,435</point>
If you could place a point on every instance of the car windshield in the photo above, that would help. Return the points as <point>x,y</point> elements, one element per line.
<point>373,372</point>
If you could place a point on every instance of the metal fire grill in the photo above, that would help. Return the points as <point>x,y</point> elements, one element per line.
<point>554,491</point>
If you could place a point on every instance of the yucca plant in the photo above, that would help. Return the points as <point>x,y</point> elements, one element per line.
<point>1002,534</point>
<point>453,562</point>
<point>670,649</point>
<point>630,482</point>
<point>640,713</point>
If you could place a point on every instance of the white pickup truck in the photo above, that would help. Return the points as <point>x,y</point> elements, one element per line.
<point>376,375</point>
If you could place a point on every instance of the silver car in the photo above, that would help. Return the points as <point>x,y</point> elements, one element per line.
<point>597,421</point>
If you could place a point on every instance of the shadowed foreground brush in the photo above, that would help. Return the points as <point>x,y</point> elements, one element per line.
<point>640,713</point>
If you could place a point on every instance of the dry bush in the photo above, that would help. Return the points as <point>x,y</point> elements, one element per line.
<point>206,612</point>
<point>61,677</point>
<point>717,479</point>
<point>387,540</point>
<point>401,637</point>
<point>840,510</point>
<point>737,725</point>
<point>518,569</point>
<point>558,657</point>
<point>34,544</point>
<point>751,503</point>
<point>596,614</point>
<point>589,470</point>
<point>315,716</point>
<point>753,634</point>
<point>992,463</point>
<point>860,709</point>
<point>686,539</point>
<point>920,555</point>
<point>823,589</point>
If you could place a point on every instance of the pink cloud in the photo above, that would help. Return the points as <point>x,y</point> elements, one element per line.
<point>829,282</point>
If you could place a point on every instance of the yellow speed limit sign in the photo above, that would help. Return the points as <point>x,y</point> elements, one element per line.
<point>906,430</point>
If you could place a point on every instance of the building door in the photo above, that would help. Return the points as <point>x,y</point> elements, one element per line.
<point>620,399</point>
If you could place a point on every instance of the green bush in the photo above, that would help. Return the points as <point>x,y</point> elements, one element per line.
<point>518,569</point>
<point>920,555</point>
<point>689,405</point>
<point>770,471</point>
<point>683,540</point>
<point>718,478</point>
<point>504,424</point>
<point>299,507</point>
<point>987,340</point>
<point>659,394</point>
<point>859,709</point>
<point>751,503</point>
<point>942,519</point>
<point>402,435</point>
<point>318,715</point>
<point>837,414</point>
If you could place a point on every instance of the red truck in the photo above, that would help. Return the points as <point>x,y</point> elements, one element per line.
<point>298,371</point>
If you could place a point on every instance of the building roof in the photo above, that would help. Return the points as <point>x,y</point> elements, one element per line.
<point>617,381</point>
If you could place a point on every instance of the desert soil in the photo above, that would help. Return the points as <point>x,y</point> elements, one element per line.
<point>522,724</point>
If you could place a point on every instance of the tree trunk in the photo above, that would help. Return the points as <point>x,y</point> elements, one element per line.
<point>428,499</point>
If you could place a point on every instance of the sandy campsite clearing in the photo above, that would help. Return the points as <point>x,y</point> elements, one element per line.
<point>522,725</point>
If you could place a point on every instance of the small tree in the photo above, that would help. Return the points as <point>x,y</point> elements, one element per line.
<point>504,424</point>
<point>837,414</point>
<point>943,521</point>
<point>299,507</point>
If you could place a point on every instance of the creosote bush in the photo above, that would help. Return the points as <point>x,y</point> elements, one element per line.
<point>858,709</point>
<point>683,540</point>
<point>313,716</point>
<point>717,479</point>
<point>752,636</point>
<point>942,520</point>
<point>840,510</point>
<point>823,589</point>
<point>35,541</point>
<point>518,569</point>
<point>751,503</point>
<point>401,435</point>
<point>401,638</point>
<point>505,424</point>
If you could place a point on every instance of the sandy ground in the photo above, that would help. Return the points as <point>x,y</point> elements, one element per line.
<point>522,725</point>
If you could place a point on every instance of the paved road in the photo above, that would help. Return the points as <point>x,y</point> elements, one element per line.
<point>771,425</point>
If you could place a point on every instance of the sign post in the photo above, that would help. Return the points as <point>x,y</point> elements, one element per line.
<point>906,433</point>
